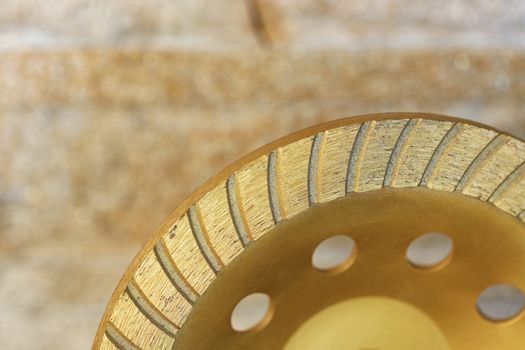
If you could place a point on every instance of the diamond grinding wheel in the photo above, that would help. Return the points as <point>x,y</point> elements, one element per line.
<point>421,220</point>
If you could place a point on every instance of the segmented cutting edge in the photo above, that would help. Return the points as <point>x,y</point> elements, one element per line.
<point>285,178</point>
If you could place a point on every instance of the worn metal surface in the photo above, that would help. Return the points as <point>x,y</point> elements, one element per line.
<point>430,153</point>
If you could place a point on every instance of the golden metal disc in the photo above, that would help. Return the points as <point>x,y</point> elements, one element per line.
<point>383,180</point>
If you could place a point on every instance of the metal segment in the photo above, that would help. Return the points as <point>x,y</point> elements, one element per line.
<point>236,211</point>
<point>174,275</point>
<point>201,237</point>
<point>149,310</point>
<point>401,144</point>
<point>313,168</point>
<point>358,150</point>
<point>445,142</point>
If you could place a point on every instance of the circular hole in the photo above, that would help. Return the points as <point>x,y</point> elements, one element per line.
<point>430,250</point>
<point>501,302</point>
<point>252,313</point>
<point>334,254</point>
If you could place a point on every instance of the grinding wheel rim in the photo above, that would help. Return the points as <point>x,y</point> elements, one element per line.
<point>139,314</point>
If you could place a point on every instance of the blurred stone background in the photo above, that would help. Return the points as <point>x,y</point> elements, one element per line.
<point>112,111</point>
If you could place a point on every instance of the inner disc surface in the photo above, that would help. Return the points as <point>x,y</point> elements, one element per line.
<point>366,323</point>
